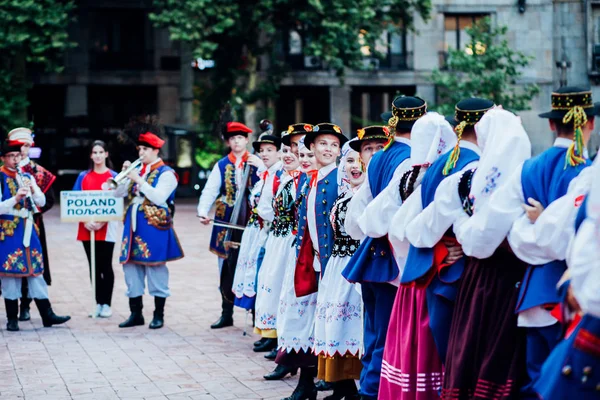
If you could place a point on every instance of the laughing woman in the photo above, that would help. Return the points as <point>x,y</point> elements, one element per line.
<point>339,315</point>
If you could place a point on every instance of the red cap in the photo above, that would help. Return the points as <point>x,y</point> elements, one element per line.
<point>151,140</point>
<point>237,127</point>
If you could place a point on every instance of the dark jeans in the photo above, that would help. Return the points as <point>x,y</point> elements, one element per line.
<point>105,278</point>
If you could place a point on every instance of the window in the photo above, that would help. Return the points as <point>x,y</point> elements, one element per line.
<point>392,46</point>
<point>595,38</point>
<point>456,36</point>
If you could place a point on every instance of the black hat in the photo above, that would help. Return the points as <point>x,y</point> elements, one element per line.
<point>325,128</point>
<point>295,129</point>
<point>470,111</point>
<point>10,146</point>
<point>568,97</point>
<point>451,120</point>
<point>385,117</point>
<point>265,138</point>
<point>370,133</point>
<point>405,111</point>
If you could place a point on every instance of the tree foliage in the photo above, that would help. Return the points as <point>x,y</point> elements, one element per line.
<point>488,67</point>
<point>32,33</point>
<point>236,33</point>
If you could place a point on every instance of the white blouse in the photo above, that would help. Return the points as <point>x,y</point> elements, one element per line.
<point>583,258</point>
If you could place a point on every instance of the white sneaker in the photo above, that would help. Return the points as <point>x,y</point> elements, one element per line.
<point>106,311</point>
<point>96,312</point>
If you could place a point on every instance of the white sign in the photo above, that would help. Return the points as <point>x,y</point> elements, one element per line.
<point>90,205</point>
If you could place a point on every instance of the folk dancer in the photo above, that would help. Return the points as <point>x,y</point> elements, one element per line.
<point>20,246</point>
<point>224,185</point>
<point>570,370</point>
<point>431,137</point>
<point>149,239</point>
<point>95,178</point>
<point>44,179</point>
<point>244,282</point>
<point>339,314</point>
<point>423,307</point>
<point>543,178</point>
<point>373,265</point>
<point>476,364</point>
<point>295,321</point>
<point>278,250</point>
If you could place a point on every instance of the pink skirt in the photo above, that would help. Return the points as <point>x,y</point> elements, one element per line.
<point>411,367</point>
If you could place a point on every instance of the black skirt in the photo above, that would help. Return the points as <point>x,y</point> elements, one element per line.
<point>486,350</point>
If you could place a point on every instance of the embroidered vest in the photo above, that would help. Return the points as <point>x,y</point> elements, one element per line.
<point>154,241</point>
<point>16,260</point>
<point>545,179</point>
<point>343,244</point>
<point>374,261</point>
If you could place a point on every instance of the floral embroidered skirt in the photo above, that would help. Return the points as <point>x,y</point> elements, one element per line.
<point>244,280</point>
<point>338,322</point>
<point>278,251</point>
<point>296,315</point>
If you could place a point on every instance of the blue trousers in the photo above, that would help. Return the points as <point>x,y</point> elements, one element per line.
<point>378,301</point>
<point>540,343</point>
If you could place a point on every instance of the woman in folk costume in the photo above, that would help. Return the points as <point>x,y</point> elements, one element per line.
<point>149,239</point>
<point>20,248</point>
<point>423,307</point>
<point>281,216</point>
<point>44,179</point>
<point>339,315</point>
<point>314,244</point>
<point>244,281</point>
<point>485,356</point>
<point>431,137</point>
<point>571,370</point>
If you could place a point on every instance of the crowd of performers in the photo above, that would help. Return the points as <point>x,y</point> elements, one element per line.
<point>430,257</point>
<point>147,244</point>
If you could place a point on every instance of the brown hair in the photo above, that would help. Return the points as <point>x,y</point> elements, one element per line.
<point>102,144</point>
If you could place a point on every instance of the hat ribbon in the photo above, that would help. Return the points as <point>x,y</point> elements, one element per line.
<point>453,158</point>
<point>575,152</point>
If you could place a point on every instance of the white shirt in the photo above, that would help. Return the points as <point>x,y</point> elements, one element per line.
<point>159,194</point>
<point>39,198</point>
<point>357,207</point>
<point>212,188</point>
<point>311,212</point>
<point>265,202</point>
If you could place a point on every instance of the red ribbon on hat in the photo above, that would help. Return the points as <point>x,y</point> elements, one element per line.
<point>151,140</point>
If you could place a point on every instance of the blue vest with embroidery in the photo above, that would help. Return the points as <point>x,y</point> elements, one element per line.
<point>154,241</point>
<point>420,260</point>
<point>373,261</point>
<point>327,192</point>
<point>226,202</point>
<point>15,259</point>
<point>545,179</point>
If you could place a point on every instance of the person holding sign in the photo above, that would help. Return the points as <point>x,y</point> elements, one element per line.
<point>20,248</point>
<point>149,240</point>
<point>105,232</point>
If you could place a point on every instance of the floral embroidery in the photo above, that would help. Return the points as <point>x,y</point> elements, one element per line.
<point>158,217</point>
<point>141,248</point>
<point>8,227</point>
<point>491,181</point>
<point>268,320</point>
<point>352,342</point>
<point>333,343</point>
<point>230,186</point>
<point>124,249</point>
<point>37,258</point>
<point>15,262</point>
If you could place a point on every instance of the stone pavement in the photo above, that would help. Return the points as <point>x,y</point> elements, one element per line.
<point>94,359</point>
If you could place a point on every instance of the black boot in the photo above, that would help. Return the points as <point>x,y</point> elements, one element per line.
<point>159,313</point>
<point>226,318</point>
<point>25,315</point>
<point>267,345</point>
<point>272,355</point>
<point>136,318</point>
<point>12,309</point>
<point>280,372</point>
<point>323,386</point>
<point>48,316</point>
<point>306,389</point>
<point>260,341</point>
<point>345,389</point>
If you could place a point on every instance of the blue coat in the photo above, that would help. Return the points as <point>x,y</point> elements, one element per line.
<point>545,178</point>
<point>15,259</point>
<point>374,261</point>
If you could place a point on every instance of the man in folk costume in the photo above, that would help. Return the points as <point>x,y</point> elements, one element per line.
<point>541,179</point>
<point>225,186</point>
<point>373,264</point>
<point>149,240</point>
<point>20,246</point>
<point>422,310</point>
<point>44,180</point>
<point>314,246</point>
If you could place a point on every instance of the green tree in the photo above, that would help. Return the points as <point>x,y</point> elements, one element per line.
<point>487,67</point>
<point>33,34</point>
<point>237,33</point>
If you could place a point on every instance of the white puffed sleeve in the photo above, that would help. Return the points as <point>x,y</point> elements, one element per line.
<point>583,259</point>
<point>356,207</point>
<point>407,212</point>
